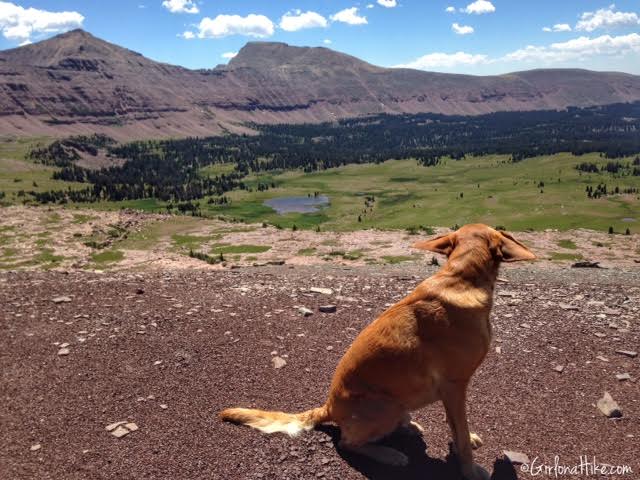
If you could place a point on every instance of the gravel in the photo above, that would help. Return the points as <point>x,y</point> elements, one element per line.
<point>516,403</point>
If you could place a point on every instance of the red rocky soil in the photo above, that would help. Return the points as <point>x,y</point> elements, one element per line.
<point>168,350</point>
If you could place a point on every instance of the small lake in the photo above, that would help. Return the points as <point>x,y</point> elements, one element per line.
<point>284,205</point>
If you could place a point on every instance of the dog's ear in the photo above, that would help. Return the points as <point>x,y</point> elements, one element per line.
<point>443,244</point>
<point>512,250</point>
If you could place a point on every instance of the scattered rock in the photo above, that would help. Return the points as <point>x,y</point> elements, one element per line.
<point>628,353</point>
<point>275,262</point>
<point>122,428</point>
<point>602,359</point>
<point>328,308</point>
<point>113,426</point>
<point>498,350</point>
<point>608,406</point>
<point>586,265</point>
<point>164,406</point>
<point>329,347</point>
<point>62,299</point>
<point>324,291</point>
<point>566,306</point>
<point>517,458</point>
<point>623,376</point>
<point>120,432</point>
<point>64,351</point>
<point>559,368</point>
<point>305,312</point>
<point>278,362</point>
<point>600,334</point>
<point>35,448</point>
<point>140,291</point>
<point>506,293</point>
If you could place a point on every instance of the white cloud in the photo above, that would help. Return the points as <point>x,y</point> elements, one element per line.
<point>326,41</point>
<point>224,25</point>
<point>388,3</point>
<point>577,49</point>
<point>349,16</point>
<point>370,5</point>
<point>479,7</point>
<point>181,6</point>
<point>229,55</point>
<point>450,9</point>
<point>606,18</point>
<point>558,27</point>
<point>445,60</point>
<point>297,20</point>
<point>462,29</point>
<point>19,24</point>
<point>188,35</point>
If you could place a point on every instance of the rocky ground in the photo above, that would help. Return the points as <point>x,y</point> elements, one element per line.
<point>36,238</point>
<point>164,351</point>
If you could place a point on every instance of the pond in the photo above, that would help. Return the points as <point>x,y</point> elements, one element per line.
<point>284,205</point>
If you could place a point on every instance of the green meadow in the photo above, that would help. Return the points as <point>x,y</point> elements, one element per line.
<point>537,193</point>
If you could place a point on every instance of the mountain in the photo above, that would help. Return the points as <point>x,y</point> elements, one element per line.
<point>76,83</point>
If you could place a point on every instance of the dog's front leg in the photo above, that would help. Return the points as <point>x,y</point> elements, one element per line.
<point>454,399</point>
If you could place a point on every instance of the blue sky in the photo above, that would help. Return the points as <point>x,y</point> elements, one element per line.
<point>463,36</point>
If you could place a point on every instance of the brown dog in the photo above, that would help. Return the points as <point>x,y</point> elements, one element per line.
<point>423,349</point>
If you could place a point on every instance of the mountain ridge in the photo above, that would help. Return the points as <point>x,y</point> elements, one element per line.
<point>78,83</point>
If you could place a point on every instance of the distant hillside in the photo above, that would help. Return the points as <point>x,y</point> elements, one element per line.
<point>75,83</point>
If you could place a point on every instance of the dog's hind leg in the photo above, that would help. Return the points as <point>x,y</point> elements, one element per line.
<point>368,422</point>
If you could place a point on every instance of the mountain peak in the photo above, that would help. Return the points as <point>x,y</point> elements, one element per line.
<point>260,55</point>
<point>75,44</point>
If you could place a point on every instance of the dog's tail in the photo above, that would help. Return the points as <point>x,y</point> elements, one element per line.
<point>271,422</point>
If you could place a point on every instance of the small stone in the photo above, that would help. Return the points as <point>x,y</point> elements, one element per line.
<point>608,406</point>
<point>329,347</point>
<point>63,351</point>
<point>498,350</point>
<point>328,308</point>
<point>600,334</point>
<point>62,299</point>
<point>559,368</point>
<point>602,359</point>
<point>113,426</point>
<point>305,312</point>
<point>623,376</point>
<point>628,353</point>
<point>132,427</point>
<point>158,362</point>
<point>278,362</point>
<point>505,293</point>
<point>566,306</point>
<point>139,291</point>
<point>517,458</point>
<point>120,432</point>
<point>324,291</point>
<point>35,448</point>
<point>63,345</point>
<point>164,406</point>
<point>611,311</point>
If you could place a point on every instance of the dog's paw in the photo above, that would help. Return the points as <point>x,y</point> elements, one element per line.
<point>475,472</point>
<point>476,441</point>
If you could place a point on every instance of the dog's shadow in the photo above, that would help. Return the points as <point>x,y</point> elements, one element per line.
<point>420,466</point>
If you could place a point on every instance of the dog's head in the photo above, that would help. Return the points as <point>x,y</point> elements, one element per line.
<point>502,246</point>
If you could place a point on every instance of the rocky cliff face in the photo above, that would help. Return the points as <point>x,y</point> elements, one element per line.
<point>76,83</point>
